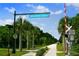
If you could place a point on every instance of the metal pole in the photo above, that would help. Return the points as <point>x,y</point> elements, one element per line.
<point>32,13</point>
<point>14,41</point>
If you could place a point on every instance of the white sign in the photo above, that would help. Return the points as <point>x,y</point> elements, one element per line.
<point>15,36</point>
<point>68,28</point>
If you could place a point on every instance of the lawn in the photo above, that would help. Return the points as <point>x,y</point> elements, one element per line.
<point>59,47</point>
<point>4,52</point>
<point>18,53</point>
<point>60,54</point>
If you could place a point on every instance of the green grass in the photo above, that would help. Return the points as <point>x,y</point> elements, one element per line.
<point>18,53</point>
<point>59,47</point>
<point>4,52</point>
<point>60,54</point>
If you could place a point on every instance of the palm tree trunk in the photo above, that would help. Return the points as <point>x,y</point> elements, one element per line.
<point>33,42</point>
<point>27,40</point>
<point>20,42</point>
<point>20,36</point>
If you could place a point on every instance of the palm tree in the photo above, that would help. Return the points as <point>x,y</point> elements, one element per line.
<point>19,28</point>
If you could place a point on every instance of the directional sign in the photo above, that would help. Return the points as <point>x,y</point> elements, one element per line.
<point>46,15</point>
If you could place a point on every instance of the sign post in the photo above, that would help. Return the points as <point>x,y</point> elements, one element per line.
<point>71,34</point>
<point>70,37</point>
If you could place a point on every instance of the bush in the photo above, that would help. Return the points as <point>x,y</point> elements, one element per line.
<point>75,50</point>
<point>41,51</point>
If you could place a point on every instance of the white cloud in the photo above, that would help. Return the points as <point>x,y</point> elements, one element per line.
<point>11,10</point>
<point>30,5</point>
<point>41,26</point>
<point>58,12</point>
<point>76,5</point>
<point>41,8</point>
<point>73,4</point>
<point>6,21</point>
<point>23,17</point>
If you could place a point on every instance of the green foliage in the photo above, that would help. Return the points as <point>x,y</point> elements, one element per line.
<point>75,50</point>
<point>61,24</point>
<point>41,51</point>
<point>21,28</point>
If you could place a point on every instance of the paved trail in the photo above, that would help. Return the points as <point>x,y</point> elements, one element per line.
<point>52,50</point>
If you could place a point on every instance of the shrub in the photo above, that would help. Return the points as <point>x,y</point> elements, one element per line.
<point>75,50</point>
<point>41,51</point>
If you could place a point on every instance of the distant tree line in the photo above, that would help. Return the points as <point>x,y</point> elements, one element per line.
<point>24,30</point>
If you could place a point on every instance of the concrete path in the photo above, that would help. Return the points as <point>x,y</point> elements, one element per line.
<point>52,50</point>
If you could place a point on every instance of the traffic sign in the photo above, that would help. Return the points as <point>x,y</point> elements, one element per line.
<point>15,36</point>
<point>68,28</point>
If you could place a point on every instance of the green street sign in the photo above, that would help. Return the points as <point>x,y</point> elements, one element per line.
<point>45,15</point>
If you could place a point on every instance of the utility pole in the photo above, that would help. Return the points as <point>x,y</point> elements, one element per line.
<point>14,40</point>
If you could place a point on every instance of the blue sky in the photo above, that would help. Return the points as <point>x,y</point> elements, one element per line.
<point>49,24</point>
